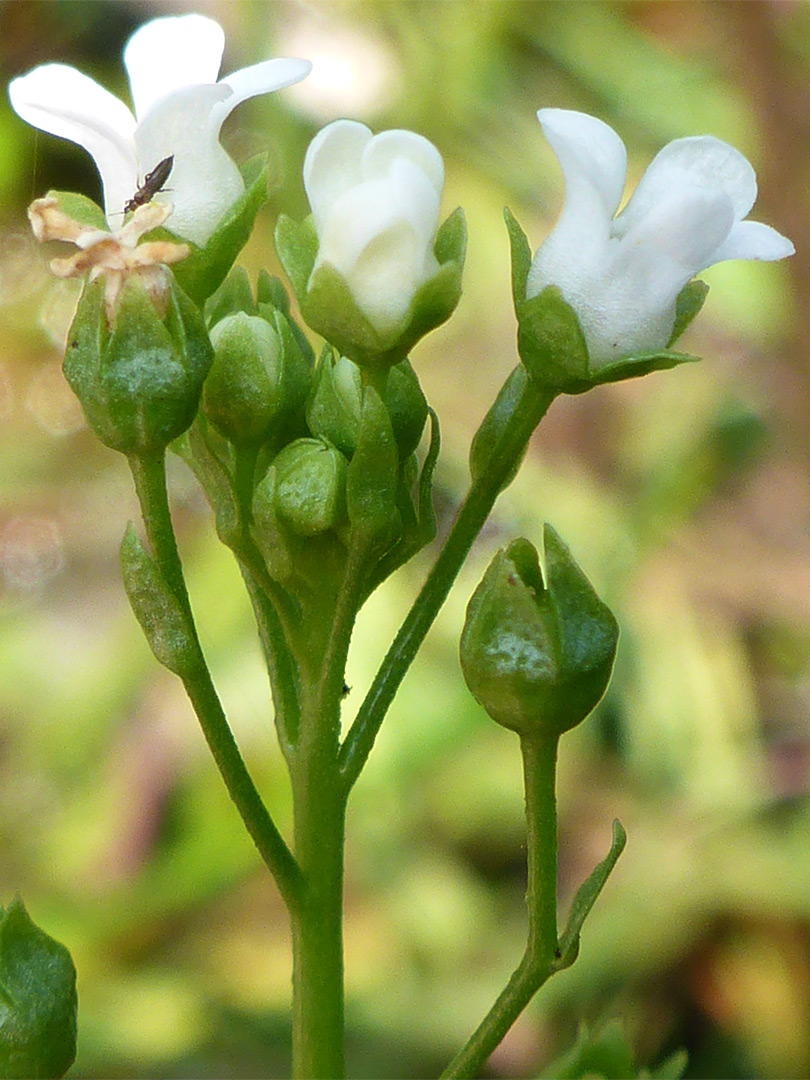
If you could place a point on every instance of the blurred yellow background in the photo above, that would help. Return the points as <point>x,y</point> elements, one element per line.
<point>685,496</point>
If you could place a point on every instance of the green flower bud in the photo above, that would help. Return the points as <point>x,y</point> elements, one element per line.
<point>333,412</point>
<point>298,508</point>
<point>139,373</point>
<point>258,381</point>
<point>310,487</point>
<point>537,656</point>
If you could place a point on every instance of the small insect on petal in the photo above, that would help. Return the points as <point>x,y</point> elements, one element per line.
<point>152,184</point>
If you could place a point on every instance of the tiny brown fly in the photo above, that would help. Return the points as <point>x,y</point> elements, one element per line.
<point>153,183</point>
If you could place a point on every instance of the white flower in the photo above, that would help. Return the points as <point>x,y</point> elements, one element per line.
<point>623,274</point>
<point>172,65</point>
<point>375,201</point>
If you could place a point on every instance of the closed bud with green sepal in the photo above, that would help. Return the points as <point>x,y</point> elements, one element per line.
<point>259,379</point>
<point>537,648</point>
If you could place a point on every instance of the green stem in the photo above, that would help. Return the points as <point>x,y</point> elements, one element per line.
<point>471,517</point>
<point>539,766</point>
<point>319,800</point>
<point>149,474</point>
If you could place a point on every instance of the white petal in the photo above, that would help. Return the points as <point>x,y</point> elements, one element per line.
<point>169,53</point>
<point>593,161</point>
<point>752,240</point>
<point>384,148</point>
<point>332,165</point>
<point>262,79</point>
<point>380,236</point>
<point>632,308</point>
<point>62,101</point>
<point>204,181</point>
<point>700,161</point>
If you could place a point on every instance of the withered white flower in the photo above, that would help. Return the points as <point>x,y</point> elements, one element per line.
<point>375,201</point>
<point>623,274</point>
<point>114,255</point>
<point>180,107</point>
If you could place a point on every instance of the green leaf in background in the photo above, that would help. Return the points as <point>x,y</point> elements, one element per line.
<point>606,1054</point>
<point>37,999</point>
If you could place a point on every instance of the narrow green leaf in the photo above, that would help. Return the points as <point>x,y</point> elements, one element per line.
<point>37,999</point>
<point>586,898</point>
<point>156,608</point>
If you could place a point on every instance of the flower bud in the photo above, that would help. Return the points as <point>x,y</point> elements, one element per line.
<point>537,655</point>
<point>310,488</point>
<point>258,381</point>
<point>138,374</point>
<point>333,412</point>
<point>375,273</point>
<point>297,507</point>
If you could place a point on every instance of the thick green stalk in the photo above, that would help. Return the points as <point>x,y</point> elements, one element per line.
<point>149,474</point>
<point>539,766</point>
<point>319,801</point>
<point>471,517</point>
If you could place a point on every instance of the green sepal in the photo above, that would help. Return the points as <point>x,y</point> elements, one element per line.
<point>407,406</point>
<point>297,247</point>
<point>550,340</point>
<point>208,455</point>
<point>81,209</point>
<point>520,257</point>
<point>157,609</point>
<point>418,515</point>
<point>328,305</point>
<point>631,367</point>
<point>551,343</point>
<point>586,897</point>
<point>139,381</point>
<point>371,480</point>
<point>38,1000</point>
<point>488,436</point>
<point>606,1053</point>
<point>233,296</point>
<point>690,300</point>
<point>201,274</point>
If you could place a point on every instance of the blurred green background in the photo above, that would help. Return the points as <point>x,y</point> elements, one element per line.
<point>684,495</point>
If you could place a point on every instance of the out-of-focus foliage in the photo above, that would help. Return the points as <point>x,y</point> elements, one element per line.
<point>685,496</point>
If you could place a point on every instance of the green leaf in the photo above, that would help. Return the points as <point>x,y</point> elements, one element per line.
<point>551,343</point>
<point>201,274</point>
<point>586,898</point>
<point>690,300</point>
<point>156,607</point>
<point>37,999</point>
<point>233,295</point>
<point>521,257</point>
